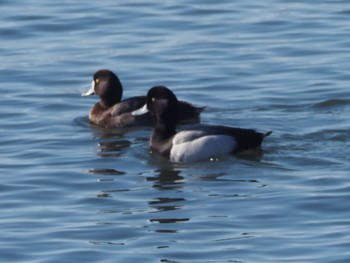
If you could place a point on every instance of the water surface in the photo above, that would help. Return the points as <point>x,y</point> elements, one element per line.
<point>74,192</point>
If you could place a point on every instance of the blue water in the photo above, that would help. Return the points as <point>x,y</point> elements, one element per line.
<point>71,192</point>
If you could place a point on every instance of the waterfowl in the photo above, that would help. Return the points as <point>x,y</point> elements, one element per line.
<point>196,144</point>
<point>113,112</point>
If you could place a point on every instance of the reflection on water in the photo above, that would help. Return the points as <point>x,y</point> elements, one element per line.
<point>167,179</point>
<point>76,192</point>
<point>163,208</point>
<point>106,172</point>
<point>106,243</point>
<point>113,148</point>
<point>332,103</point>
<point>169,220</point>
<point>166,203</point>
<point>111,142</point>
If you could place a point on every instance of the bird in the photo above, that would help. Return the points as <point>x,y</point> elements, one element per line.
<point>195,144</point>
<point>113,112</point>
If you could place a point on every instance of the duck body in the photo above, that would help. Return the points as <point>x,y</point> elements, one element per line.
<point>112,112</point>
<point>204,142</point>
<point>119,115</point>
<point>198,143</point>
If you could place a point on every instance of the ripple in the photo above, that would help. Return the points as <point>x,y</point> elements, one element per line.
<point>75,192</point>
<point>106,172</point>
<point>332,103</point>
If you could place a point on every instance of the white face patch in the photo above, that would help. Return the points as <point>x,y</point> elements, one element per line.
<point>201,148</point>
<point>91,91</point>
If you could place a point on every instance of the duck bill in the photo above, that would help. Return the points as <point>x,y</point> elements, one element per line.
<point>140,111</point>
<point>91,91</point>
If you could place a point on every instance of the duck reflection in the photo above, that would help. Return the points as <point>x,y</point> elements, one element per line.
<point>166,203</point>
<point>165,180</point>
<point>106,172</point>
<point>113,147</point>
<point>110,173</point>
<point>111,142</point>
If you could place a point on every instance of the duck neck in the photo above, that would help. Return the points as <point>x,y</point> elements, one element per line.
<point>110,99</point>
<point>111,94</point>
<point>105,104</point>
<point>165,129</point>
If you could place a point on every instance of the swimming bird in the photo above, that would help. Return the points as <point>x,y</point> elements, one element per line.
<point>196,144</point>
<point>113,112</point>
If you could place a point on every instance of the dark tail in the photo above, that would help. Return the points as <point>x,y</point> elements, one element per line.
<point>199,110</point>
<point>266,134</point>
<point>188,113</point>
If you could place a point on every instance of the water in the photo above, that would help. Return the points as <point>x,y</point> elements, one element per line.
<point>74,193</point>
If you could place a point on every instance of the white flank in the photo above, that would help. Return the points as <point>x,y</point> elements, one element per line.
<point>201,148</point>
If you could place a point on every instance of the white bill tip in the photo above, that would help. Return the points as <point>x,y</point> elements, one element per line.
<point>91,91</point>
<point>140,111</point>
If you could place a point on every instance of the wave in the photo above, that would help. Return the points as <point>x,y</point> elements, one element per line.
<point>331,103</point>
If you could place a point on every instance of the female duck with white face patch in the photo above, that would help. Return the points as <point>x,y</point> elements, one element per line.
<point>113,112</point>
<point>196,144</point>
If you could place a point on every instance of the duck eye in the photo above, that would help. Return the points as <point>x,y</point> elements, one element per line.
<point>97,81</point>
<point>153,99</point>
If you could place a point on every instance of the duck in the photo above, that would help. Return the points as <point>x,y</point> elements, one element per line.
<point>200,143</point>
<point>113,112</point>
